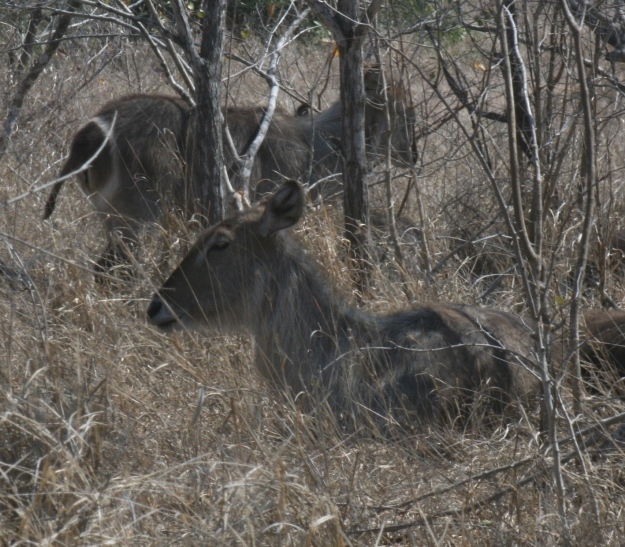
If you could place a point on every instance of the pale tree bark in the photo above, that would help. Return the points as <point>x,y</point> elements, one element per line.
<point>245,162</point>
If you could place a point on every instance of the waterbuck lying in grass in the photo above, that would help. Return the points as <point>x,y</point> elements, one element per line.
<point>141,171</point>
<point>247,273</point>
<point>605,346</point>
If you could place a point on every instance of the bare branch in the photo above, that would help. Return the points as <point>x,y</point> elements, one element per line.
<point>185,35</point>
<point>58,181</point>
<point>31,77</point>
<point>182,70</point>
<point>589,176</point>
<point>323,12</point>
<point>373,9</point>
<point>250,154</point>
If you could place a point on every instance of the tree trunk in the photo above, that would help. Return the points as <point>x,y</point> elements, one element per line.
<point>355,202</point>
<point>348,31</point>
<point>207,155</point>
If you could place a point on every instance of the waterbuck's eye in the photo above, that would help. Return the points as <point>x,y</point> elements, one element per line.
<point>217,242</point>
<point>220,244</point>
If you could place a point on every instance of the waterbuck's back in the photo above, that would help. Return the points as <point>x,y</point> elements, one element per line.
<point>137,142</point>
<point>442,361</point>
<point>284,153</point>
<point>148,151</point>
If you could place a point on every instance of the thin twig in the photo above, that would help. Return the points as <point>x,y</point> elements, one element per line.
<point>465,510</point>
<point>82,168</point>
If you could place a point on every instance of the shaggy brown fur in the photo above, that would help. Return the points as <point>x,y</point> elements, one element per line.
<point>605,344</point>
<point>247,273</point>
<point>143,171</point>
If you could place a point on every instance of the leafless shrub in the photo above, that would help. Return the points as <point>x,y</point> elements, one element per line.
<point>110,407</point>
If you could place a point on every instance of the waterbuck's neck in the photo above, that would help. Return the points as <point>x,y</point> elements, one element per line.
<point>329,120</point>
<point>302,326</point>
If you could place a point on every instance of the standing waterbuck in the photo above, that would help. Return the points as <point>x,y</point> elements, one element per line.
<point>143,169</point>
<point>247,273</point>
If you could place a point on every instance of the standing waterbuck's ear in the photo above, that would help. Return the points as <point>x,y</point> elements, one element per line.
<point>283,209</point>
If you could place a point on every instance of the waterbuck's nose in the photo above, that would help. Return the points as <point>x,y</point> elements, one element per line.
<point>155,307</point>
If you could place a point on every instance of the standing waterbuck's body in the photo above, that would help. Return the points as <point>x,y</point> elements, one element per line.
<point>142,170</point>
<point>246,273</point>
<point>605,346</point>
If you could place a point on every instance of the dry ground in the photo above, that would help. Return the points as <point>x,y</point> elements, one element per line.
<point>101,440</point>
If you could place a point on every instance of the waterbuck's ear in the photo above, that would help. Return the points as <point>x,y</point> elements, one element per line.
<point>283,209</point>
<point>303,110</point>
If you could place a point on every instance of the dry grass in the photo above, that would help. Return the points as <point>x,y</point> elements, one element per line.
<point>101,440</point>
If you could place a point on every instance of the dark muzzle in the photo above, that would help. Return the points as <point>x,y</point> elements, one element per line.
<point>160,314</point>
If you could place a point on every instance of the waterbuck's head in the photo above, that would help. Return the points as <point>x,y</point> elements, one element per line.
<point>223,278</point>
